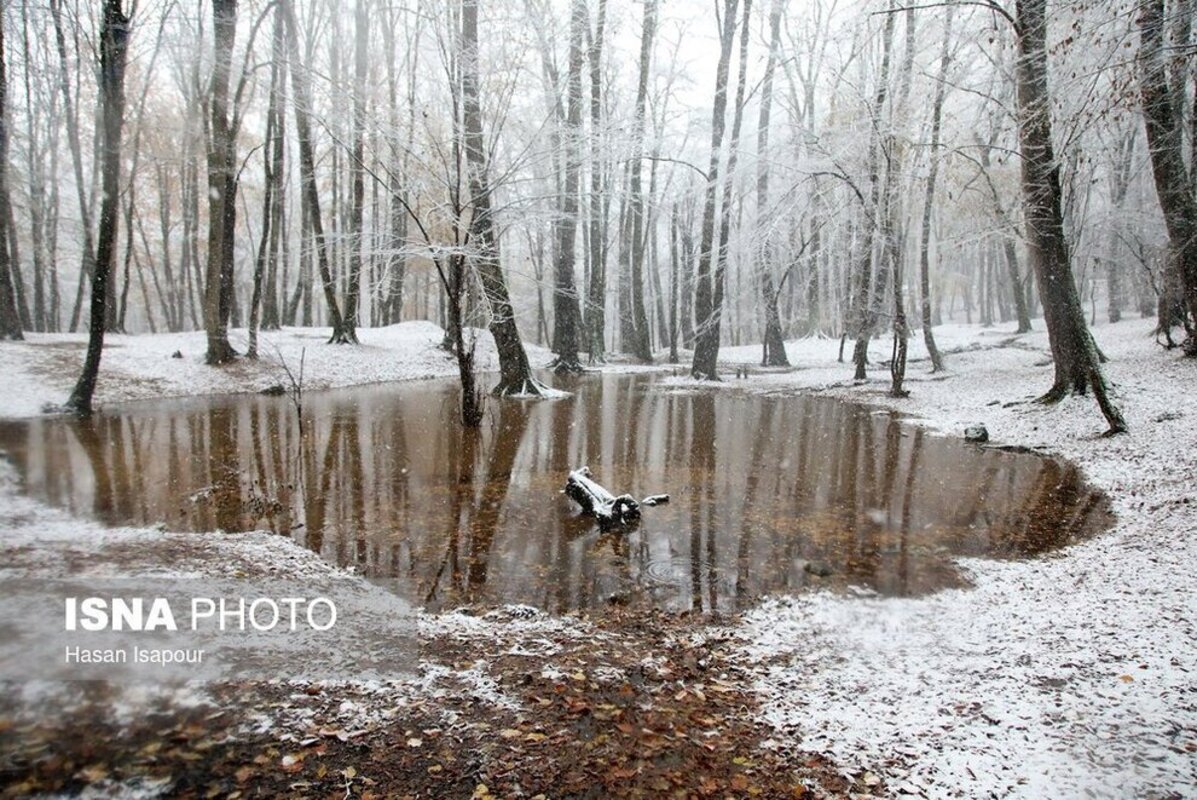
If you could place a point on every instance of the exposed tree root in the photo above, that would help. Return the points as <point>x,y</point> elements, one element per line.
<point>343,337</point>
<point>222,353</point>
<point>528,387</point>
<point>567,366</point>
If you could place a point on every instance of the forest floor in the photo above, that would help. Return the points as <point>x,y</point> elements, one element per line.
<point>41,371</point>
<point>1068,676</point>
<point>1065,676</point>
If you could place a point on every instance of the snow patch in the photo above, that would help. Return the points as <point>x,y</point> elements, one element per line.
<point>1065,676</point>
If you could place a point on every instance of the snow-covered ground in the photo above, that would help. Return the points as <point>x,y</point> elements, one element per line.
<point>1074,675</point>
<point>1068,676</point>
<point>42,370</point>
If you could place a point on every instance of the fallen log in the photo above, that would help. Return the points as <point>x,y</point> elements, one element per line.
<point>595,500</point>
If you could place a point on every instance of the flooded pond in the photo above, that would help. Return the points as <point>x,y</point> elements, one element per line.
<point>769,493</point>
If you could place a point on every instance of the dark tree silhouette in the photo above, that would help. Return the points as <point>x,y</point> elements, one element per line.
<point>1073,349</point>
<point>706,348</point>
<point>222,187</point>
<point>114,49</point>
<point>1165,140</point>
<point>566,313</point>
<point>515,374</point>
<point>10,319</point>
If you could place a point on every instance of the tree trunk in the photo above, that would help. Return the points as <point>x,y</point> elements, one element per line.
<point>706,350</point>
<point>36,169</point>
<point>596,300</point>
<point>114,48</point>
<point>396,260</point>
<point>1119,185</point>
<point>774,347</point>
<point>1020,288</point>
<point>271,317</point>
<point>566,313</point>
<point>271,210</point>
<point>686,289</point>
<point>706,353</point>
<point>639,343</point>
<point>653,258</point>
<point>893,219</point>
<point>116,321</point>
<point>72,125</point>
<point>674,261</point>
<point>10,319</point>
<point>307,168</point>
<point>471,399</point>
<point>1073,350</point>
<point>222,187</point>
<point>1165,142</point>
<point>515,374</point>
<point>863,311</point>
<point>357,169</point>
<point>945,59</point>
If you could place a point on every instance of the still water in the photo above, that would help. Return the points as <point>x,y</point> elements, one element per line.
<point>769,493</point>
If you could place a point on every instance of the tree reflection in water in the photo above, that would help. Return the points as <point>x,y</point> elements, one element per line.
<point>768,491</point>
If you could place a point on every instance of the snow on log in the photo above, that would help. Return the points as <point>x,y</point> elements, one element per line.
<point>595,500</point>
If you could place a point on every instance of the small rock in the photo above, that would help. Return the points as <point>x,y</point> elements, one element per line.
<point>177,354</point>
<point>513,612</point>
<point>818,568</point>
<point>277,390</point>
<point>976,433</point>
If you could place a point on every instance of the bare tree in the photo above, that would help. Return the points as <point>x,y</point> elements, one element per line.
<point>515,374</point>
<point>566,313</point>
<point>1073,350</point>
<point>894,230</point>
<point>1165,142</point>
<point>1122,172</point>
<point>868,271</point>
<point>361,60</point>
<point>773,345</point>
<point>276,183</point>
<point>638,341</point>
<point>945,59</point>
<point>596,297</point>
<point>71,111</point>
<point>307,168</point>
<point>10,320</point>
<point>706,352</point>
<point>272,164</point>
<point>114,49</point>
<point>222,187</point>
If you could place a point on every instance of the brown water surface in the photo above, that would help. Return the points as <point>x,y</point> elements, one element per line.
<point>769,493</point>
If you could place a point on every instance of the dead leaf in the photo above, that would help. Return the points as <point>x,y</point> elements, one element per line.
<point>94,773</point>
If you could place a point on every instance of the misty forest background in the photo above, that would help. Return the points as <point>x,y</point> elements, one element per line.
<point>601,176</point>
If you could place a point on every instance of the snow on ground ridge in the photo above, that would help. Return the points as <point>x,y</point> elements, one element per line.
<point>1065,676</point>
